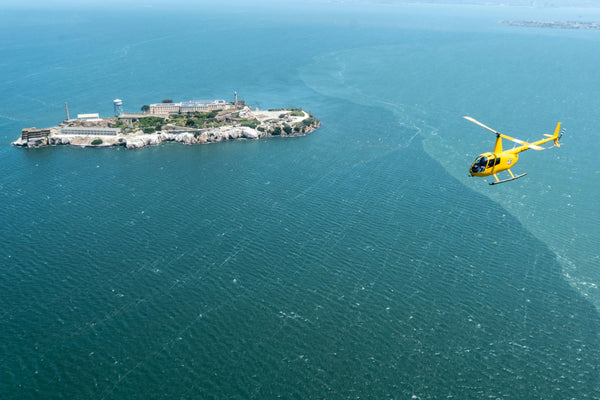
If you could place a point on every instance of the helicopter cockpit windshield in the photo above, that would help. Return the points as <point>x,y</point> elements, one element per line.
<point>479,164</point>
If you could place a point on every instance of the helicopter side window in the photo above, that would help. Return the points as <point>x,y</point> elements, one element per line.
<point>491,163</point>
<point>497,161</point>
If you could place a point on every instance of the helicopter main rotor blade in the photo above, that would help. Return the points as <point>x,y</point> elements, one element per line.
<point>521,142</point>
<point>480,124</point>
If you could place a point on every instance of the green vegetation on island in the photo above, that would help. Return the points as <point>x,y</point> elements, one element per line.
<point>253,123</point>
<point>150,124</point>
<point>195,120</point>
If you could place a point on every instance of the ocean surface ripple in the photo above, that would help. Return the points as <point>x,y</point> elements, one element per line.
<point>350,263</point>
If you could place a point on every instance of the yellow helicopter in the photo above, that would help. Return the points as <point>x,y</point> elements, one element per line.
<point>487,164</point>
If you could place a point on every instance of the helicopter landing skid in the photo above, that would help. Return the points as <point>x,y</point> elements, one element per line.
<point>509,179</point>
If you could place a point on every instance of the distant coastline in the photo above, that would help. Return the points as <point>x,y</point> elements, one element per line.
<point>193,122</point>
<point>554,24</point>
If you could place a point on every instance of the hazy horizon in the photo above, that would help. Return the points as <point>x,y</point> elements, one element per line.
<point>121,4</point>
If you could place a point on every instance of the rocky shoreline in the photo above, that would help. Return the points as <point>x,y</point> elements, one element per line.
<point>242,123</point>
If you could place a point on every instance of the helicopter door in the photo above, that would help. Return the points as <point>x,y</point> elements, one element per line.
<point>492,162</point>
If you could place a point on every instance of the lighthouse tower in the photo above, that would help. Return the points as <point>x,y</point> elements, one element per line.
<point>118,103</point>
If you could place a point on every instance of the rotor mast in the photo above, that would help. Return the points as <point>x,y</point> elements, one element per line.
<point>498,145</point>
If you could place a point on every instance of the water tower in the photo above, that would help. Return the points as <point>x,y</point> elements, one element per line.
<point>118,103</point>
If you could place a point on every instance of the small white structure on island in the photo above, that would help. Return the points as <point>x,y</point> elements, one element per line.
<point>89,117</point>
<point>118,105</point>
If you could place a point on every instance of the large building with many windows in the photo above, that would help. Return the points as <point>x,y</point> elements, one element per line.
<point>189,106</point>
<point>93,131</point>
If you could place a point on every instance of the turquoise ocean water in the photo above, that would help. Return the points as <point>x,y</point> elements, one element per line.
<point>357,262</point>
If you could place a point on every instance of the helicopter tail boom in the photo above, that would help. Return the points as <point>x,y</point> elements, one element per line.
<point>537,144</point>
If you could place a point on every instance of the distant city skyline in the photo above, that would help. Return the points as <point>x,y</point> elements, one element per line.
<point>525,3</point>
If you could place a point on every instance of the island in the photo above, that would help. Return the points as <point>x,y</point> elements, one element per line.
<point>554,24</point>
<point>188,122</point>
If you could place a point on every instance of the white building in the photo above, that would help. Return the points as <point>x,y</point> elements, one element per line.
<point>91,131</point>
<point>189,106</point>
<point>89,117</point>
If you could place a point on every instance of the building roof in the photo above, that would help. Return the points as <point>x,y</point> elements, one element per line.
<point>195,103</point>
<point>133,115</point>
<point>190,103</point>
<point>88,116</point>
